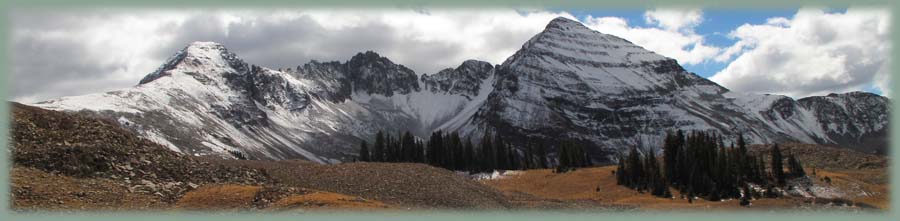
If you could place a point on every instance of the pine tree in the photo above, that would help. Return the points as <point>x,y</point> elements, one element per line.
<point>513,159</point>
<point>794,167</point>
<point>528,161</point>
<point>777,166</point>
<point>658,183</point>
<point>364,152</point>
<point>564,157</point>
<point>635,169</point>
<point>420,151</point>
<point>378,154</point>
<point>762,169</point>
<point>670,155</point>
<point>469,155</point>
<point>390,148</point>
<point>436,154</point>
<point>542,155</point>
<point>488,162</point>
<point>500,155</point>
<point>622,173</point>
<point>744,164</point>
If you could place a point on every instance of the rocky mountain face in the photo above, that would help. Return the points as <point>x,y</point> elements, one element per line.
<point>857,119</point>
<point>206,101</point>
<point>566,83</point>
<point>465,79</point>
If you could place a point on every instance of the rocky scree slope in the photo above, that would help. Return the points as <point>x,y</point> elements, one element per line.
<point>82,147</point>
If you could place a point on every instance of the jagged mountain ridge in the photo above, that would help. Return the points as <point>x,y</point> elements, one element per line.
<point>567,82</point>
<point>205,100</point>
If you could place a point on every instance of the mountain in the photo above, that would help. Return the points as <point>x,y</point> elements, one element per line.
<point>566,83</point>
<point>205,100</point>
<point>571,82</point>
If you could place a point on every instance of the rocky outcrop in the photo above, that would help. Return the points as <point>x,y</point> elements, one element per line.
<point>465,79</point>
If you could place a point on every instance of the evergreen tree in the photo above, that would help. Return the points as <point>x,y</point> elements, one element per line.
<point>699,164</point>
<point>409,148</point>
<point>542,155</point>
<point>622,172</point>
<point>744,170</point>
<point>390,148</point>
<point>500,155</point>
<point>513,158</point>
<point>762,169</point>
<point>469,155</point>
<point>635,169</point>
<point>777,166</point>
<point>794,167</point>
<point>364,152</point>
<point>458,151</point>
<point>378,154</point>
<point>528,161</point>
<point>436,154</point>
<point>658,184</point>
<point>488,162</point>
<point>420,151</point>
<point>563,159</point>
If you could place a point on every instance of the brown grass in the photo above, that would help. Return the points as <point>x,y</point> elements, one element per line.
<point>873,181</point>
<point>326,201</point>
<point>219,197</point>
<point>582,184</point>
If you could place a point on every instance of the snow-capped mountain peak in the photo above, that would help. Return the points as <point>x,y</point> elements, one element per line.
<point>199,57</point>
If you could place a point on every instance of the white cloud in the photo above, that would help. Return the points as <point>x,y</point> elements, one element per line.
<point>814,53</point>
<point>674,19</point>
<point>673,35</point>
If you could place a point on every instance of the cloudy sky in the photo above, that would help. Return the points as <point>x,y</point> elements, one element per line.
<point>795,52</point>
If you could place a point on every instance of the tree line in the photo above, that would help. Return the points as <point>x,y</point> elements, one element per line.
<point>450,151</point>
<point>700,165</point>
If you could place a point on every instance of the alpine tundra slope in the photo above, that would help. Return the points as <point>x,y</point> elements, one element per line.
<point>566,83</point>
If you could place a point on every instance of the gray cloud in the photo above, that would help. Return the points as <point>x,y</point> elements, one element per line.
<point>61,53</point>
<point>296,41</point>
<point>55,66</point>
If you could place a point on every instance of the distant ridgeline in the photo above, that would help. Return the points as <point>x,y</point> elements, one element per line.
<point>449,151</point>
<point>700,165</point>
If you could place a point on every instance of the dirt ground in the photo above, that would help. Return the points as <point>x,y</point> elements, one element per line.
<point>407,185</point>
<point>36,190</point>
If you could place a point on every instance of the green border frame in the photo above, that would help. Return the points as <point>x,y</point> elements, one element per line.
<point>5,54</point>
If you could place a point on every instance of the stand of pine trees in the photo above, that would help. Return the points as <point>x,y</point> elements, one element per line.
<point>450,151</point>
<point>699,164</point>
<point>571,156</point>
